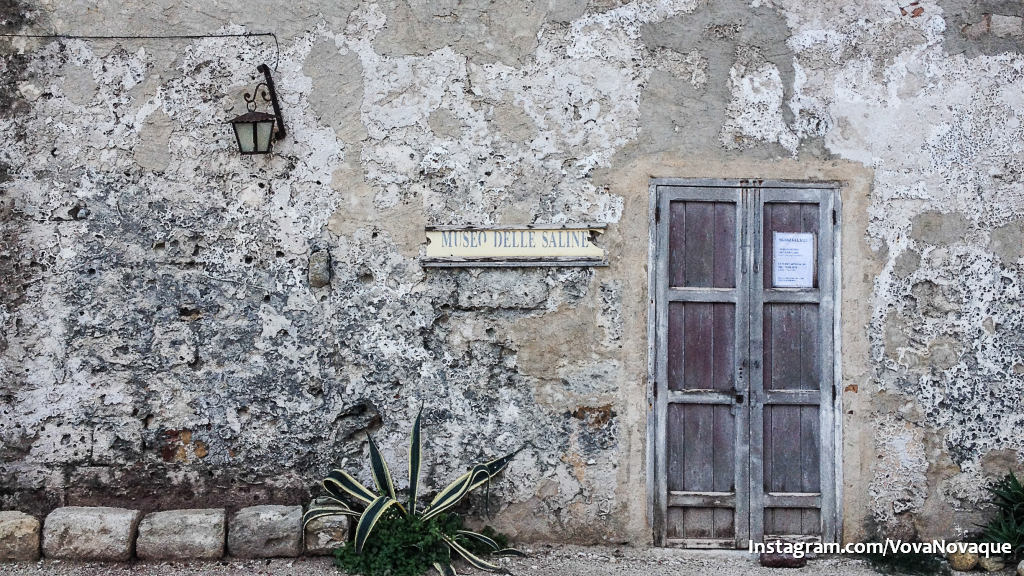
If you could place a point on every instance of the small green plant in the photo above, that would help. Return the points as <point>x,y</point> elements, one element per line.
<point>911,564</point>
<point>1008,524</point>
<point>406,541</point>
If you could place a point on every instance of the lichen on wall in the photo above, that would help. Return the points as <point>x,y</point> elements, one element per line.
<point>184,324</point>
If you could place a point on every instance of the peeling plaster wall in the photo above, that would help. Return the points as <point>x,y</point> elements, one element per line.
<point>164,339</point>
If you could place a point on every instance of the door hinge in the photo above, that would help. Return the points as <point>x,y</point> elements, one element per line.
<point>657,213</point>
<point>835,218</point>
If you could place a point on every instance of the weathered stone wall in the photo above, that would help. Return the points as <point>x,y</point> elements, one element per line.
<point>161,343</point>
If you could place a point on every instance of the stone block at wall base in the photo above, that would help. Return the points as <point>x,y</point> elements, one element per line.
<point>182,535</point>
<point>780,560</point>
<point>85,533</point>
<point>323,535</point>
<point>266,532</point>
<point>19,537</point>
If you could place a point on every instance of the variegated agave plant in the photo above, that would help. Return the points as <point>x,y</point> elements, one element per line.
<point>341,486</point>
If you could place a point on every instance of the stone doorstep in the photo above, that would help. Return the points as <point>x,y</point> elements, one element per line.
<point>90,533</point>
<point>19,537</point>
<point>182,535</point>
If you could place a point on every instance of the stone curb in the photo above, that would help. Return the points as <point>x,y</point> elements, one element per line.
<point>117,534</point>
<point>266,532</point>
<point>19,537</point>
<point>182,535</point>
<point>90,533</point>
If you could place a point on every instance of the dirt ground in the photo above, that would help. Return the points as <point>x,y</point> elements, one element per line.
<point>543,561</point>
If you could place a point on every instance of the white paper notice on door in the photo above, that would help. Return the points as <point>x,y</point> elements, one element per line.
<point>793,260</point>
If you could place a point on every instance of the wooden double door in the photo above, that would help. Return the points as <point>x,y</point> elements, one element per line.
<point>743,394</point>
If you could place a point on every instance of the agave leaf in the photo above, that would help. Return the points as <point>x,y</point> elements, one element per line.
<point>479,538</point>
<point>415,459</point>
<point>494,467</point>
<point>381,473</point>
<point>374,512</point>
<point>328,501</point>
<point>509,552</point>
<point>455,491</point>
<point>325,511</point>
<point>474,560</point>
<point>338,483</point>
<point>444,569</point>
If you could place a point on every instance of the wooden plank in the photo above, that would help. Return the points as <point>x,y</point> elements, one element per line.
<point>810,223</point>
<point>723,437</point>
<point>828,460</point>
<point>699,244</point>
<point>652,465</point>
<point>723,467</point>
<point>786,470</point>
<point>698,338</point>
<point>723,348</point>
<point>810,449</point>
<point>792,397</point>
<point>765,238</point>
<point>699,522</point>
<point>792,295</point>
<point>792,500</point>
<point>700,544</point>
<point>676,316</point>
<point>673,524</point>
<point>700,193</point>
<point>724,269</point>
<point>698,422</point>
<point>702,295</point>
<point>755,351</point>
<point>676,461</point>
<point>810,348</point>
<point>676,245</point>
<point>787,347</point>
<point>810,521</point>
<point>809,194</point>
<point>701,397</point>
<point>741,343</point>
<point>702,499</point>
<point>660,385</point>
<point>698,472</point>
<point>739,183</point>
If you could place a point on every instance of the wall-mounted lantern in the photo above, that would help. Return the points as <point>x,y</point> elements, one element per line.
<point>256,131</point>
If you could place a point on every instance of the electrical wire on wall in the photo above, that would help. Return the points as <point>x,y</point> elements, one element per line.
<point>277,45</point>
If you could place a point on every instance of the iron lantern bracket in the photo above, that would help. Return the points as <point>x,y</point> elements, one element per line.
<point>269,81</point>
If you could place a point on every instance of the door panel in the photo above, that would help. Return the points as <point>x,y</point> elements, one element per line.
<point>786,217</point>
<point>744,370</point>
<point>702,343</point>
<point>703,235</point>
<point>791,351</point>
<point>702,436</point>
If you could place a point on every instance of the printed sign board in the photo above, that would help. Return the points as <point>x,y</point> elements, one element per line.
<point>793,260</point>
<point>514,246</point>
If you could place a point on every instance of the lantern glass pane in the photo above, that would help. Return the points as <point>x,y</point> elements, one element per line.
<point>263,133</point>
<point>244,133</point>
